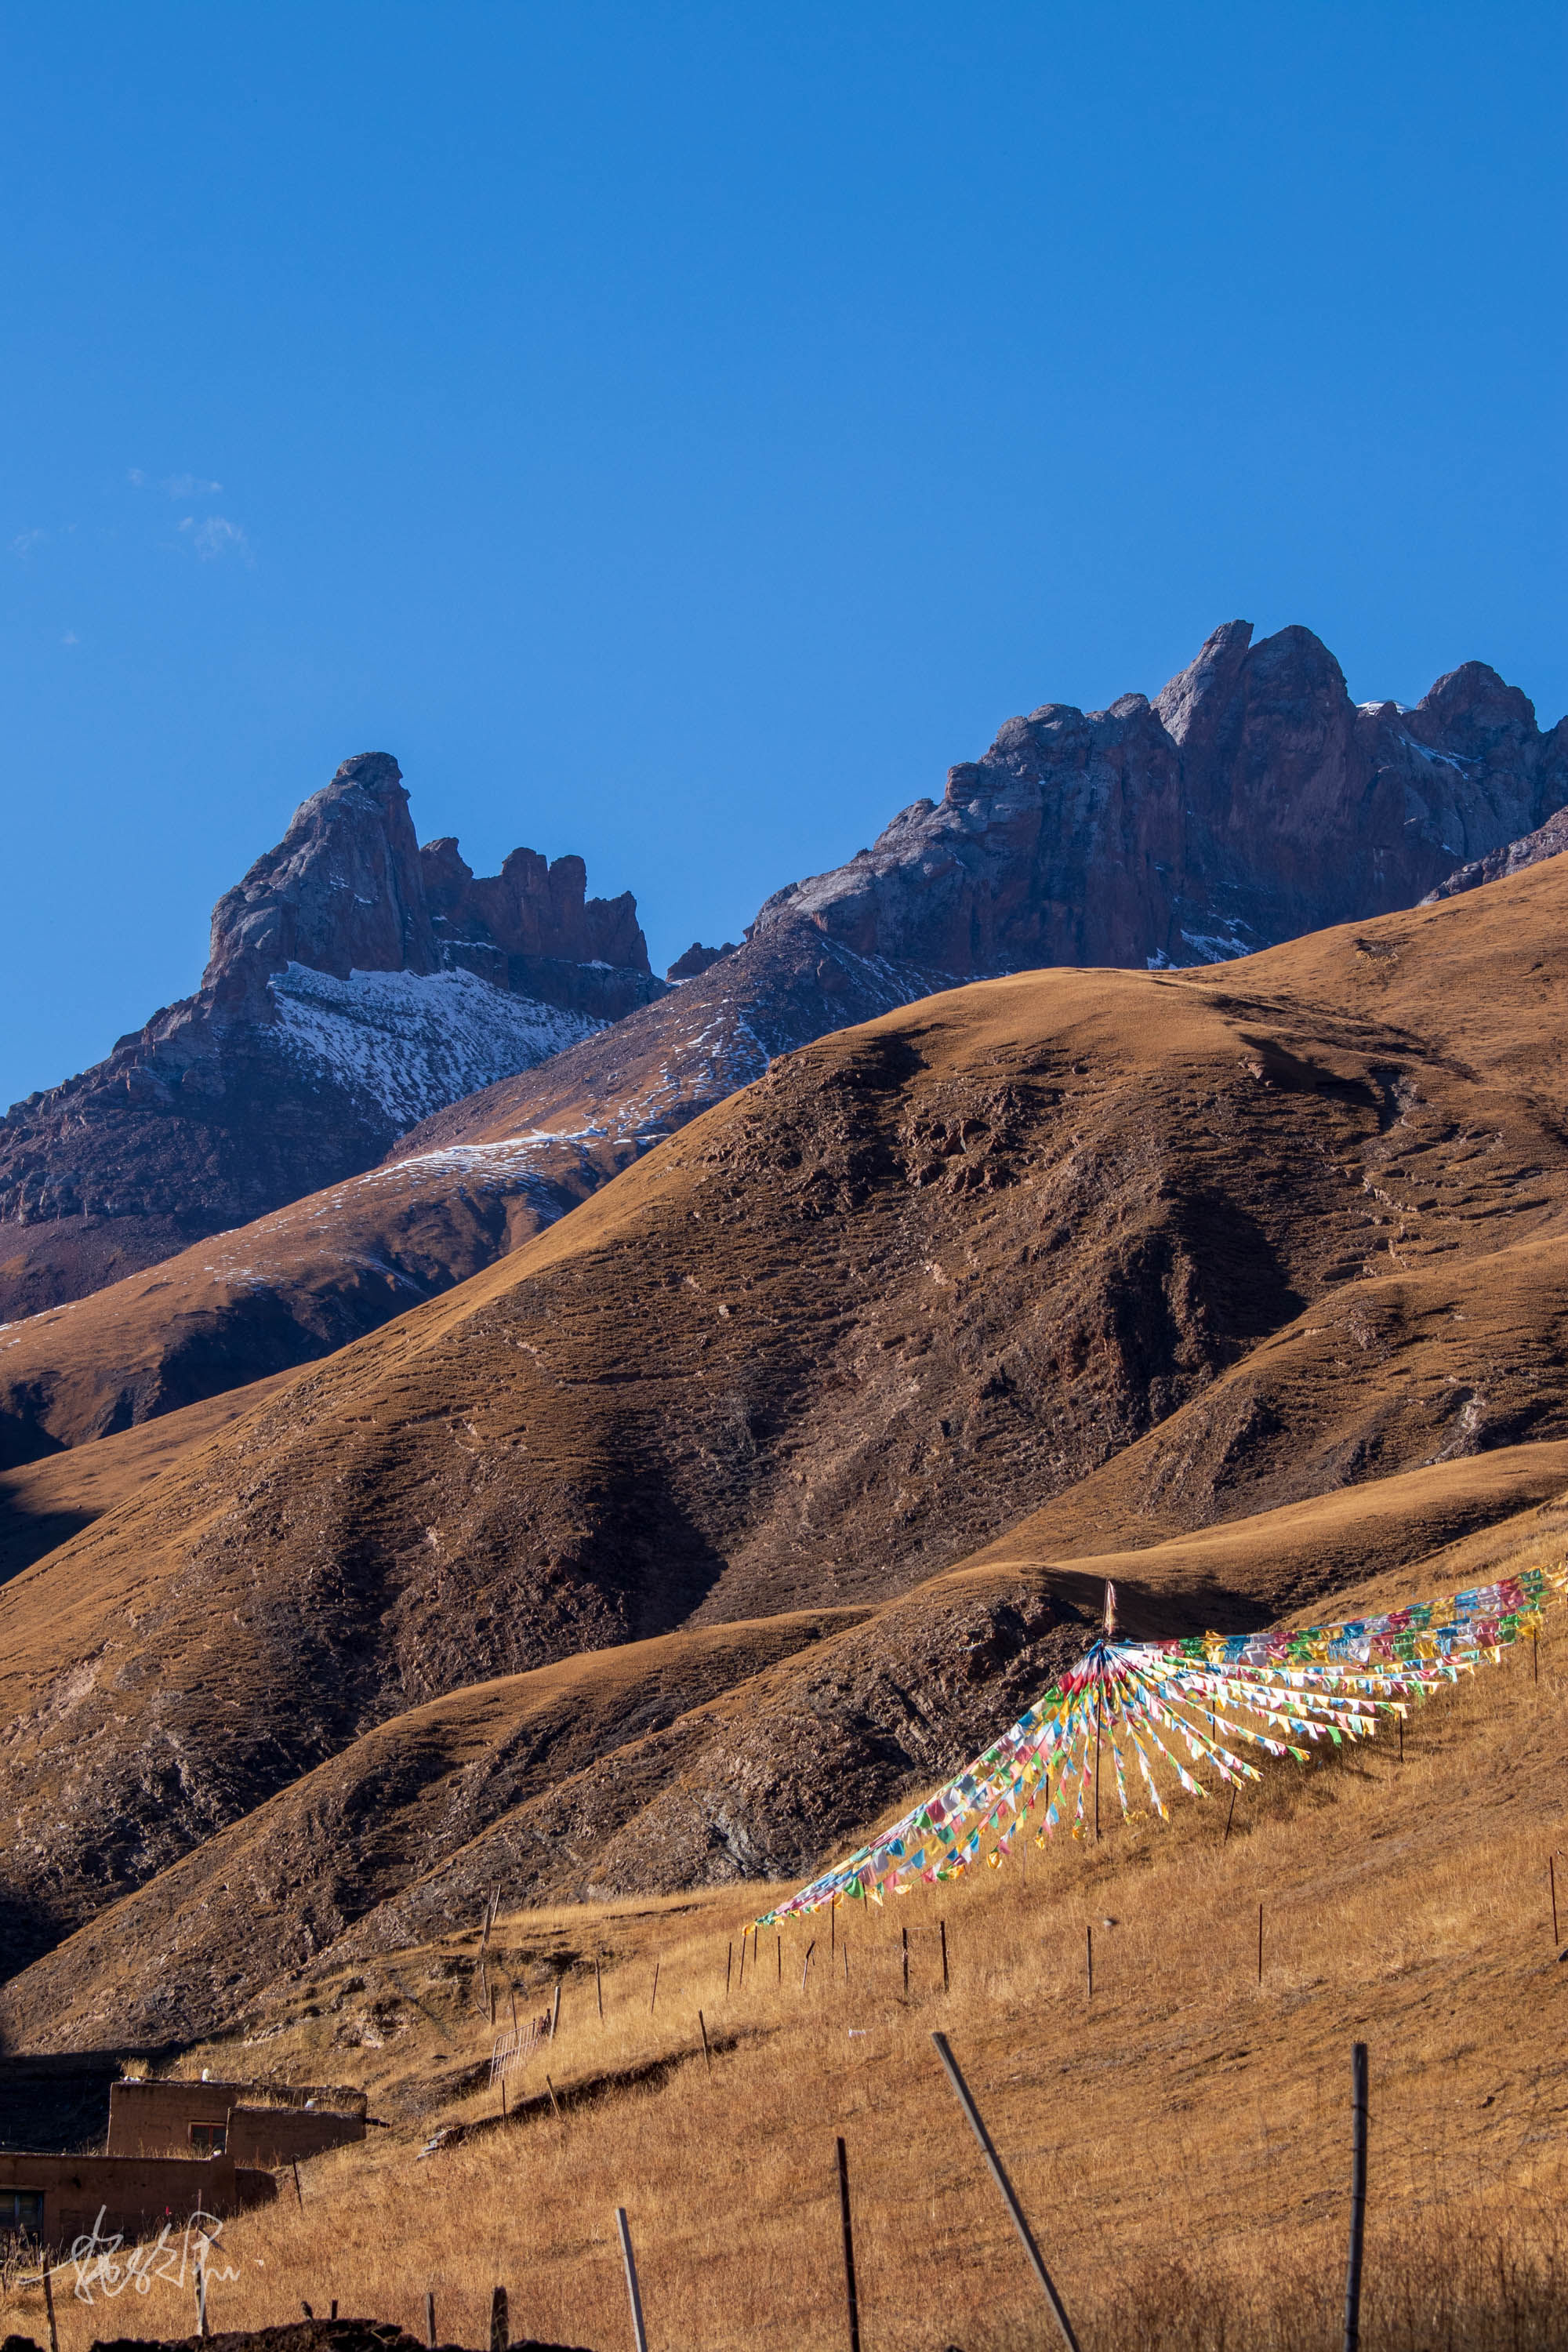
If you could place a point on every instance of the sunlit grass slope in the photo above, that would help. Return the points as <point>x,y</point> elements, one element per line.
<point>1181,2139</point>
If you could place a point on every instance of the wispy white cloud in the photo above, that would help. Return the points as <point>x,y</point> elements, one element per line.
<point>176,485</point>
<point>216,536</point>
<point>26,540</point>
<point>70,638</point>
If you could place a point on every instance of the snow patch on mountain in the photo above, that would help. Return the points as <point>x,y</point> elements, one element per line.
<point>415,1042</point>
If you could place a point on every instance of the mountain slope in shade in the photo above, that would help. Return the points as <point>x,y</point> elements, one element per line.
<point>356,982</point>
<point>1283,1227</point>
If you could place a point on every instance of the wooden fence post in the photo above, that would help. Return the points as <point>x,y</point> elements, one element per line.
<point>430,2318</point>
<point>941,1928</point>
<point>638,2330</point>
<point>806,1962</point>
<point>848,2250</point>
<point>1089,1947</point>
<point>500,2326</point>
<point>599,1988</point>
<point>1551,1867</point>
<point>905,1933</point>
<point>728,1964</point>
<point>707,2054</point>
<point>652,1997</point>
<point>298,2194</point>
<point>200,2300</point>
<point>1260,1943</point>
<point>1358,2195</point>
<point>1009,2196</point>
<point>555,2010</point>
<point>50,2307</point>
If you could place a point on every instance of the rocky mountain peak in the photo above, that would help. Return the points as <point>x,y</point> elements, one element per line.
<point>1192,702</point>
<point>1250,802</point>
<point>355,984</point>
<point>342,892</point>
<point>1471,711</point>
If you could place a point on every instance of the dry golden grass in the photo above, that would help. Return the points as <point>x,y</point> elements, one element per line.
<point>1181,2141</point>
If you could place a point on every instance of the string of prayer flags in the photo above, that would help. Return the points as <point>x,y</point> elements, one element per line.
<point>1175,1709</point>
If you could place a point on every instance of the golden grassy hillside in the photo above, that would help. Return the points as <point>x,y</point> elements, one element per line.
<point>714,1755</point>
<point>43,1504</point>
<point>1288,1226</point>
<point>1180,2139</point>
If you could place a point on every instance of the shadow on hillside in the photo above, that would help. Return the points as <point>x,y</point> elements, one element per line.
<point>27,1535</point>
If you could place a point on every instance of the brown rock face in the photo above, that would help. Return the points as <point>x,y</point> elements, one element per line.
<point>1251,802</point>
<point>699,960</point>
<point>342,892</point>
<point>356,985</point>
<point>1549,840</point>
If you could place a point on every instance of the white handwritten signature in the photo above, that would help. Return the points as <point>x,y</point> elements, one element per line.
<point>102,2270</point>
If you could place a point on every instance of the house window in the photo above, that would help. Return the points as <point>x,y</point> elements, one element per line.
<point>22,2209</point>
<point>210,2139</point>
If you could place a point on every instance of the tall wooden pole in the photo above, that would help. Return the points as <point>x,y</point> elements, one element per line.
<point>848,2251</point>
<point>1009,2195</point>
<point>1097,1712</point>
<point>1358,2196</point>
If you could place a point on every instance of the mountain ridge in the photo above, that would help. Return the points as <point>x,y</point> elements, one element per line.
<point>355,982</point>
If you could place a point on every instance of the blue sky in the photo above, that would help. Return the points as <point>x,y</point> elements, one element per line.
<point>678,433</point>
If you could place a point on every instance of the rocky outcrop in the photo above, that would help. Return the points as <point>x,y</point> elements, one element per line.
<point>1250,801</point>
<point>1549,840</point>
<point>355,984</point>
<point>698,960</point>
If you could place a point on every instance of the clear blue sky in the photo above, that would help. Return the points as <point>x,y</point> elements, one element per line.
<point>679,432</point>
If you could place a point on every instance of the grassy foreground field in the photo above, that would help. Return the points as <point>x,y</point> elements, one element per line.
<point>1180,2140</point>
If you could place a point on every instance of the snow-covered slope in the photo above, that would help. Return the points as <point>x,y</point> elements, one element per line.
<point>414,1041</point>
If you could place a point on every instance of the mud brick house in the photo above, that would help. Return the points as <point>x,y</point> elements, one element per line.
<point>54,2200</point>
<point>256,2124</point>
